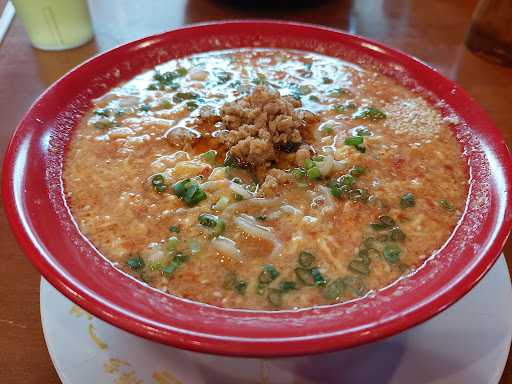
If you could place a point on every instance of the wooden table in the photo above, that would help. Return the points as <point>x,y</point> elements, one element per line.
<point>431,30</point>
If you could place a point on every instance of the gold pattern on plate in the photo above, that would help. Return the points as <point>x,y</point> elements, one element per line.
<point>100,343</point>
<point>76,311</point>
<point>114,365</point>
<point>165,377</point>
<point>128,378</point>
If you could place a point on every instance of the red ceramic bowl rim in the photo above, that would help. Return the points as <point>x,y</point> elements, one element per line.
<point>463,261</point>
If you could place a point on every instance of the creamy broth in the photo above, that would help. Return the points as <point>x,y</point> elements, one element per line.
<point>265,179</point>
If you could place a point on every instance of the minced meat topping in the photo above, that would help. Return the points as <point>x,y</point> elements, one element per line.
<point>262,124</point>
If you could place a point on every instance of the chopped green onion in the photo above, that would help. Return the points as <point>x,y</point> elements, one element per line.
<point>396,234</point>
<point>172,243</point>
<point>305,276</point>
<point>240,287</point>
<point>157,180</point>
<point>181,187</point>
<point>105,112</point>
<point>165,104</point>
<point>194,195</point>
<point>369,242</point>
<point>338,92</point>
<point>308,163</point>
<point>189,191</point>
<point>192,105</point>
<point>286,286</point>
<point>145,108</point>
<point>318,158</point>
<point>179,259</point>
<point>340,108</point>
<point>305,89</point>
<point>360,194</point>
<point>357,171</point>
<point>236,180</point>
<point>363,256</point>
<point>347,180</point>
<point>231,161</point>
<point>373,253</point>
<point>174,228</point>
<point>362,131</point>
<point>317,276</point>
<point>268,274</point>
<point>181,96</point>
<point>391,253</point>
<point>314,98</point>
<point>298,172</point>
<point>313,173</point>
<point>209,156</point>
<point>369,113</point>
<point>354,140</point>
<point>275,297</point>
<point>443,203</point>
<point>384,223</point>
<point>336,190</point>
<point>359,267</point>
<point>136,263</point>
<point>211,221</point>
<point>334,290</point>
<point>407,200</point>
<point>306,259</point>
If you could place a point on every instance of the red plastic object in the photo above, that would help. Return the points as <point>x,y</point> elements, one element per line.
<point>41,221</point>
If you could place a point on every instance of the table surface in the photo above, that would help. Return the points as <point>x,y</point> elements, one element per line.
<point>433,31</point>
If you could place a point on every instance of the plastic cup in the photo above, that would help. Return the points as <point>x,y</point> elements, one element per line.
<point>55,25</point>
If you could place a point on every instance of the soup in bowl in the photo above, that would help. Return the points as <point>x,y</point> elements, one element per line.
<point>259,195</point>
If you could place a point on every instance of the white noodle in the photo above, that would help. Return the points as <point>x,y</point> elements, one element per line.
<point>227,247</point>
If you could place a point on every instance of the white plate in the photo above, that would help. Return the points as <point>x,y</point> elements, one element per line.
<point>468,343</point>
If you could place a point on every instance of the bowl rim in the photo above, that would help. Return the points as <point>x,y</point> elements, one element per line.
<point>284,345</point>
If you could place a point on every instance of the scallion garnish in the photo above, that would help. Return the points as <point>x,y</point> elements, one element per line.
<point>384,222</point>
<point>396,234</point>
<point>317,276</point>
<point>306,259</point>
<point>136,263</point>
<point>313,173</point>
<point>286,286</point>
<point>179,259</point>
<point>443,203</point>
<point>172,243</point>
<point>357,171</point>
<point>189,191</point>
<point>391,253</point>
<point>174,228</point>
<point>369,113</point>
<point>268,274</point>
<point>407,200</point>
<point>334,290</point>
<point>158,183</point>
<point>240,287</point>
<point>213,222</point>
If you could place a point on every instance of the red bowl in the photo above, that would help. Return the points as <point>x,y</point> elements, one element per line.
<point>44,227</point>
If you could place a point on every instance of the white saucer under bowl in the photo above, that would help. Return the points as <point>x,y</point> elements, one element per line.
<point>468,343</point>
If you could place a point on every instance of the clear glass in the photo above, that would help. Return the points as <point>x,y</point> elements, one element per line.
<point>55,24</point>
<point>490,34</point>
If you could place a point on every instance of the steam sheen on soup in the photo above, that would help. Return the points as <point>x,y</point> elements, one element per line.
<point>265,179</point>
